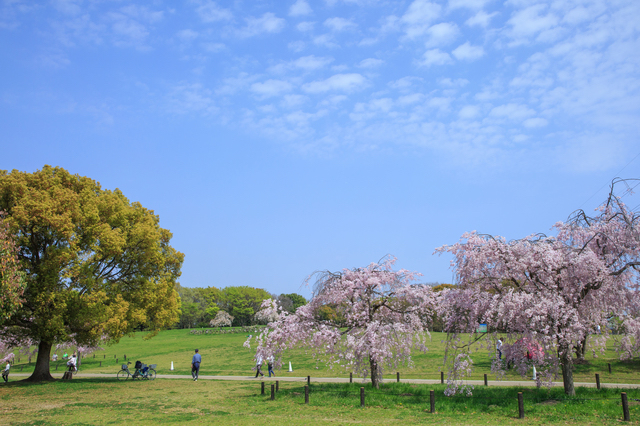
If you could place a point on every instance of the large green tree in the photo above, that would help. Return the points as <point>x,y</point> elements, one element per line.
<point>96,265</point>
<point>242,302</point>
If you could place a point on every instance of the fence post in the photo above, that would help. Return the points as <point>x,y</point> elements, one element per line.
<point>105,357</point>
<point>100,363</point>
<point>609,364</point>
<point>350,377</point>
<point>261,388</point>
<point>125,357</point>
<point>625,407</point>
<point>442,377</point>
<point>485,380</point>
<point>308,380</point>
<point>598,381</point>
<point>277,385</point>
<point>306,394</point>
<point>398,376</point>
<point>273,392</point>
<point>520,405</point>
<point>432,400</point>
<point>362,397</point>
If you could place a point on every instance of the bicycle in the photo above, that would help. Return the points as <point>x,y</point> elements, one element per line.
<point>141,371</point>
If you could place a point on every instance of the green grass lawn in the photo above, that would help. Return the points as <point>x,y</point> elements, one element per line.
<point>223,354</point>
<point>107,401</point>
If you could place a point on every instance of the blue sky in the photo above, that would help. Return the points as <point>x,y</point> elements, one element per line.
<point>275,139</point>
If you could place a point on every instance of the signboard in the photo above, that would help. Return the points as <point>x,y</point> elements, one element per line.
<point>482,328</point>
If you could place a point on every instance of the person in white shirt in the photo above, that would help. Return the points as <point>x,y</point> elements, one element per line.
<point>499,348</point>
<point>72,363</point>
<point>259,366</point>
<point>5,372</point>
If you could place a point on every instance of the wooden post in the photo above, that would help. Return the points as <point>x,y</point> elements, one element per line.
<point>100,363</point>
<point>309,381</point>
<point>432,400</point>
<point>56,367</point>
<point>625,407</point>
<point>277,385</point>
<point>362,397</point>
<point>116,360</point>
<point>273,392</point>
<point>609,364</point>
<point>125,357</point>
<point>485,380</point>
<point>94,356</point>
<point>520,405</point>
<point>114,356</point>
<point>350,377</point>
<point>442,377</point>
<point>398,376</point>
<point>306,394</point>
<point>598,381</point>
<point>105,357</point>
<point>261,388</point>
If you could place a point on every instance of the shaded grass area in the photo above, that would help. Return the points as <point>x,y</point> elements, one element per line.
<point>223,354</point>
<point>103,402</point>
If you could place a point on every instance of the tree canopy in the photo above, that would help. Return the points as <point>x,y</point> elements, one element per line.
<point>384,314</point>
<point>11,278</point>
<point>549,291</point>
<point>96,265</point>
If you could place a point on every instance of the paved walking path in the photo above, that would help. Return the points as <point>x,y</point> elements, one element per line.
<point>340,380</point>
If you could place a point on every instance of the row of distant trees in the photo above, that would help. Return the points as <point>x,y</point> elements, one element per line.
<point>200,305</point>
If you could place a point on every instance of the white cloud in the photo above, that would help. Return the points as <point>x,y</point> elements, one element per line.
<point>296,46</point>
<point>467,52</point>
<point>300,8</point>
<point>209,11</point>
<point>271,88</point>
<point>188,98</point>
<point>339,24</point>
<point>213,47</point>
<point>410,99</point>
<point>340,82</point>
<point>442,34</point>
<point>370,63</point>
<point>267,23</point>
<point>468,4</point>
<point>312,62</point>
<point>481,19</point>
<point>293,101</point>
<point>325,40</point>
<point>435,57</point>
<point>305,26</point>
<point>187,35</point>
<point>404,82</point>
<point>419,16</point>
<point>512,111</point>
<point>535,122</point>
<point>469,112</point>
<point>530,21</point>
<point>457,83</point>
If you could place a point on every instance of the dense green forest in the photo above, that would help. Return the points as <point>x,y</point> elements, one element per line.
<point>200,305</point>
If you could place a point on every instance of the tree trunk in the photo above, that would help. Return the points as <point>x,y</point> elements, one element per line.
<point>375,373</point>
<point>566,359</point>
<point>41,372</point>
<point>581,348</point>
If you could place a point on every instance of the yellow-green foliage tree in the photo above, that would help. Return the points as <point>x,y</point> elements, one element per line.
<point>96,265</point>
<point>11,277</point>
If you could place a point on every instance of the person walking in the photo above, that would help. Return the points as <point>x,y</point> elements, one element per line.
<point>259,366</point>
<point>499,348</point>
<point>270,366</point>
<point>195,365</point>
<point>5,372</point>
